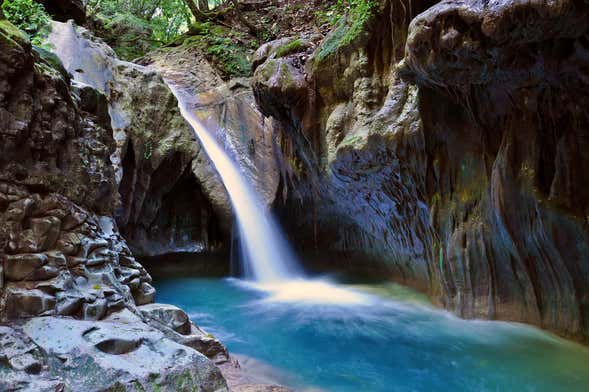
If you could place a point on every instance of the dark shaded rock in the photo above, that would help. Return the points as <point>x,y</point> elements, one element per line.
<point>63,10</point>
<point>500,148</point>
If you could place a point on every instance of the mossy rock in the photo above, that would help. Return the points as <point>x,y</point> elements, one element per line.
<point>11,34</point>
<point>222,47</point>
<point>53,61</point>
<point>349,31</point>
<point>292,47</point>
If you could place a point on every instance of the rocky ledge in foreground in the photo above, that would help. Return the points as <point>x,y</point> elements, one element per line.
<point>121,352</point>
<point>75,306</point>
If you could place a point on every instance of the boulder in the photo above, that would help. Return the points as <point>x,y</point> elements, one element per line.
<point>175,324</point>
<point>22,266</point>
<point>22,302</point>
<point>170,315</point>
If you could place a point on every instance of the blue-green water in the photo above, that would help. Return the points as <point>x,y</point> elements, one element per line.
<point>394,342</point>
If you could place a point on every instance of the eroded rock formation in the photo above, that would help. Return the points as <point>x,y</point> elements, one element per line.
<point>164,179</point>
<point>503,102</point>
<point>355,150</point>
<point>461,170</point>
<point>64,265</point>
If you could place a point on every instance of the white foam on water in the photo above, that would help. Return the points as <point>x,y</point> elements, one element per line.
<point>266,255</point>
<point>308,292</point>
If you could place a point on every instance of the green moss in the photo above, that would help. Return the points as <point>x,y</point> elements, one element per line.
<point>352,141</point>
<point>297,166</point>
<point>223,47</point>
<point>349,28</point>
<point>296,46</point>
<point>285,75</point>
<point>267,70</point>
<point>53,61</point>
<point>12,31</point>
<point>184,381</point>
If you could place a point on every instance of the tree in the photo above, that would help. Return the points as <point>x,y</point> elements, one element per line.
<point>196,12</point>
<point>203,5</point>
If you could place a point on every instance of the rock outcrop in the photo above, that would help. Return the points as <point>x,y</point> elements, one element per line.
<point>164,179</point>
<point>461,170</point>
<point>228,110</point>
<point>354,150</point>
<point>120,353</point>
<point>503,92</point>
<point>71,293</point>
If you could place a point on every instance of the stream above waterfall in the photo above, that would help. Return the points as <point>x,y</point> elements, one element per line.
<point>391,339</point>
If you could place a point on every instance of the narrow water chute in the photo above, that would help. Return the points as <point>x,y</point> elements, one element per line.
<point>265,254</point>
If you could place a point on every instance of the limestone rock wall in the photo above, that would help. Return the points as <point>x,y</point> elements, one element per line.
<point>159,165</point>
<point>228,110</point>
<point>59,256</point>
<point>354,151</point>
<point>462,169</point>
<point>76,308</point>
<point>503,92</point>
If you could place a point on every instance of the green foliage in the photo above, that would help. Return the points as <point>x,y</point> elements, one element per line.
<point>349,27</point>
<point>28,16</point>
<point>223,46</point>
<point>134,27</point>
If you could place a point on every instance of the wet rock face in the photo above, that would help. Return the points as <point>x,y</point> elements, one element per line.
<point>353,150</point>
<point>59,256</point>
<point>62,259</point>
<point>472,186</point>
<point>163,204</point>
<point>228,110</point>
<point>507,156</point>
<point>45,144</point>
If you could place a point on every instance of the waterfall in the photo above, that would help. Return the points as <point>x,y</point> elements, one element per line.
<point>265,254</point>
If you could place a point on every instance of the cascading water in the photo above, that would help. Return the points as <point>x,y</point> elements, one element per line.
<point>267,257</point>
<point>265,253</point>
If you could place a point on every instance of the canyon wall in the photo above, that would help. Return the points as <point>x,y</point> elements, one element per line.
<point>76,307</point>
<point>449,153</point>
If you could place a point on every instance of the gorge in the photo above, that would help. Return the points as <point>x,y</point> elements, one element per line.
<point>346,195</point>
